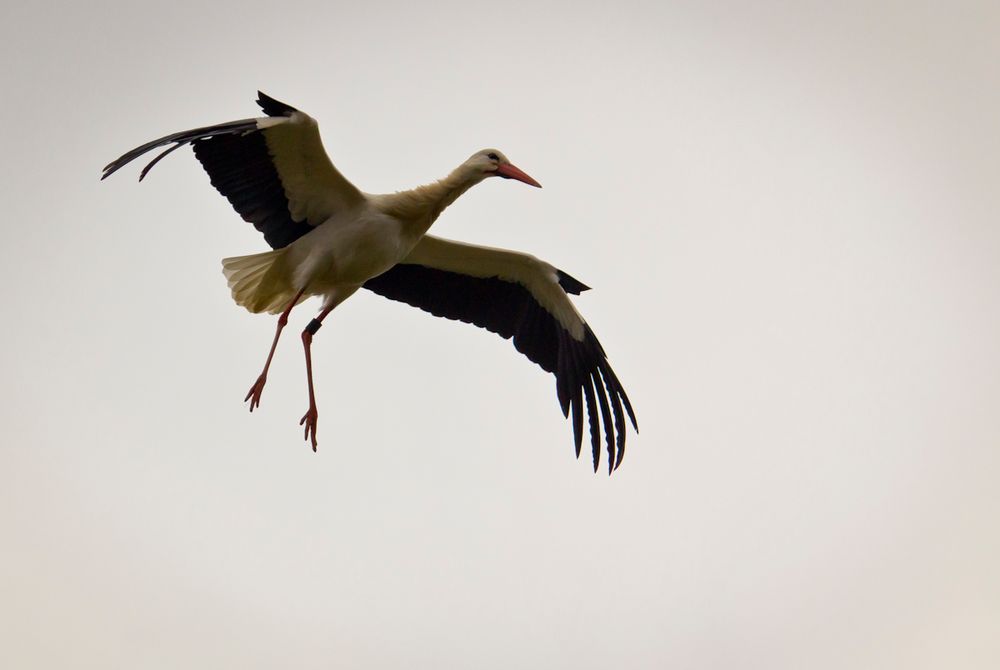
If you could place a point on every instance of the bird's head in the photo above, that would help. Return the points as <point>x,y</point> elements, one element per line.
<point>492,163</point>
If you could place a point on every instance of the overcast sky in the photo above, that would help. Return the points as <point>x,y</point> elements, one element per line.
<point>788,213</point>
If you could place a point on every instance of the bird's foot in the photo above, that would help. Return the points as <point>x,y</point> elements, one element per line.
<point>309,421</point>
<point>253,395</point>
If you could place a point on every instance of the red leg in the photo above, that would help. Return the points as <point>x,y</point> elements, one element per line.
<point>258,386</point>
<point>311,416</point>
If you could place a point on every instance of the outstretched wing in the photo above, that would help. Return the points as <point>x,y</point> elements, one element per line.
<point>273,169</point>
<point>518,296</point>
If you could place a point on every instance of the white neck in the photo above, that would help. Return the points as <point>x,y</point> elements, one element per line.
<point>418,208</point>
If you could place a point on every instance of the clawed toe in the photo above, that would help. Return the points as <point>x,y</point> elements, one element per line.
<point>253,395</point>
<point>309,421</point>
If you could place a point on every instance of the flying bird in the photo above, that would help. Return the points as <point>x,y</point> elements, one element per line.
<point>329,239</point>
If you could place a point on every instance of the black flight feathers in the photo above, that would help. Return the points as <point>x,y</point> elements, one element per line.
<point>270,106</point>
<point>583,375</point>
<point>238,163</point>
<point>241,169</point>
<point>178,140</point>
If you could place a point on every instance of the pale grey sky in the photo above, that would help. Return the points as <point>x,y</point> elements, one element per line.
<point>788,213</point>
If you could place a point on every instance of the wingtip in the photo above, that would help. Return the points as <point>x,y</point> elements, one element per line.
<point>621,456</point>
<point>571,284</point>
<point>273,107</point>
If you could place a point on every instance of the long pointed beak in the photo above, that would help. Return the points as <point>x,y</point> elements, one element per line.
<point>508,171</point>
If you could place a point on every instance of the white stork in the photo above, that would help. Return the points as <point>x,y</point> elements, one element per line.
<point>329,239</point>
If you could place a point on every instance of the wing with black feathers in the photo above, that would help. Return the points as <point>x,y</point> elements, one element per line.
<point>273,169</point>
<point>523,299</point>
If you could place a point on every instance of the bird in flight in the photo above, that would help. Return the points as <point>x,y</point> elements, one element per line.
<point>329,239</point>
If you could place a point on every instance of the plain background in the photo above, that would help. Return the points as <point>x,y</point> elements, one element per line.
<point>788,213</point>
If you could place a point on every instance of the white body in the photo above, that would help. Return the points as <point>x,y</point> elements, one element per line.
<point>358,236</point>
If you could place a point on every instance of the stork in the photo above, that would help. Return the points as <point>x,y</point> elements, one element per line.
<point>329,239</point>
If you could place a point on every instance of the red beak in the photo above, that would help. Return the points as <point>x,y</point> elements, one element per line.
<point>508,171</point>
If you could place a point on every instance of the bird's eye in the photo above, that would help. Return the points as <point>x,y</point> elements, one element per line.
<point>492,156</point>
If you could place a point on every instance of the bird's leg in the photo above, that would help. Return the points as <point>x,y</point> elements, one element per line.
<point>309,420</point>
<point>258,386</point>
